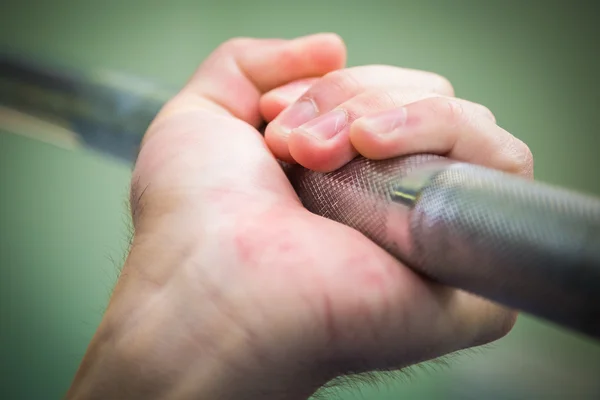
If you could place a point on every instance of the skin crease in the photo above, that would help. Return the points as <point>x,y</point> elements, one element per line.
<point>231,288</point>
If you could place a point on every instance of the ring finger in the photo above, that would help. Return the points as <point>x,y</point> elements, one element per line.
<point>337,87</point>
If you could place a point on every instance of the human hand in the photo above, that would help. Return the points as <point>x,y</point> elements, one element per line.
<point>231,288</point>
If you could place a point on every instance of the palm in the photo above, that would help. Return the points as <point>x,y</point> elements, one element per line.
<point>303,268</point>
<point>230,277</point>
<point>277,270</point>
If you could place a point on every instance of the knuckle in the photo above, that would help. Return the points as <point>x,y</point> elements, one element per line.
<point>449,110</point>
<point>234,43</point>
<point>455,112</point>
<point>377,99</point>
<point>441,84</point>
<point>388,99</point>
<point>515,157</point>
<point>523,158</point>
<point>483,110</point>
<point>339,80</point>
<point>458,112</point>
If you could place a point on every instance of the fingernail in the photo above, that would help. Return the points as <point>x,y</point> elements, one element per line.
<point>292,92</point>
<point>385,122</point>
<point>299,113</point>
<point>327,125</point>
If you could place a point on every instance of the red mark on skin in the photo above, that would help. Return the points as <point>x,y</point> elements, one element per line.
<point>368,275</point>
<point>267,241</point>
<point>259,248</point>
<point>246,249</point>
<point>373,279</point>
<point>285,247</point>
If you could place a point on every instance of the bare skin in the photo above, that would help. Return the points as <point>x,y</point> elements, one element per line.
<point>231,288</point>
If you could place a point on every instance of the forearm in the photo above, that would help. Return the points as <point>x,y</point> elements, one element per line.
<point>143,349</point>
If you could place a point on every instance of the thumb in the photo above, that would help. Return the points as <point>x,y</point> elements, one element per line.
<point>195,143</point>
<point>238,72</point>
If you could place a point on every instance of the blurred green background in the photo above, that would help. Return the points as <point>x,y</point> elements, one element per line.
<point>63,216</point>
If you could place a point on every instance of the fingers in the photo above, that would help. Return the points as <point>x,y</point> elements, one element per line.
<point>236,74</point>
<point>340,86</point>
<point>275,101</point>
<point>323,144</point>
<point>385,123</point>
<point>456,128</point>
<point>195,142</point>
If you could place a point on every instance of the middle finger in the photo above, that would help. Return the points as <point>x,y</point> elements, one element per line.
<point>338,87</point>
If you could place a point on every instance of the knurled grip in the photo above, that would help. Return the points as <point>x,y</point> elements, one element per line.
<point>524,244</point>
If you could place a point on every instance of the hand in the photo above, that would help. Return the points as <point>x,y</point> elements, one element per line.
<point>383,112</point>
<point>231,288</point>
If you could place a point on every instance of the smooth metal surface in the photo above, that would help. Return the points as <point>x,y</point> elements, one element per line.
<point>109,112</point>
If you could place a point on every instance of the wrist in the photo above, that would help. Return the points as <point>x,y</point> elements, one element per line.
<point>160,340</point>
